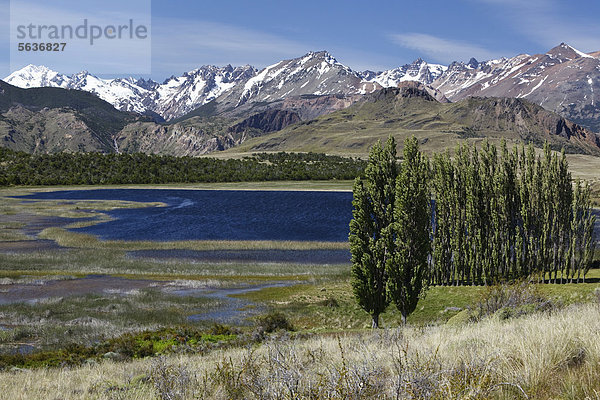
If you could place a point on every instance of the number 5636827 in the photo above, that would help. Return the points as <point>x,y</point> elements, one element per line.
<point>42,46</point>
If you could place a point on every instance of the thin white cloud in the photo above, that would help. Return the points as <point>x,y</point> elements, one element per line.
<point>440,49</point>
<point>550,31</point>
<point>185,44</point>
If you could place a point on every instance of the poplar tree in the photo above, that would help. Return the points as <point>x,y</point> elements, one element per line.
<point>506,215</point>
<point>459,200</point>
<point>409,273</point>
<point>474,217</point>
<point>442,183</point>
<point>582,245</point>
<point>372,243</point>
<point>488,217</point>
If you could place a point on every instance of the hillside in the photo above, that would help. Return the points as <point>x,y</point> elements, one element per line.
<point>564,80</point>
<point>50,120</point>
<point>41,120</point>
<point>409,110</point>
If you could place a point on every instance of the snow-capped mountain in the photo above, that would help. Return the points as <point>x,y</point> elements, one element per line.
<point>316,73</point>
<point>177,96</point>
<point>564,80</point>
<point>174,97</point>
<point>37,76</point>
<point>125,94</point>
<point>419,71</point>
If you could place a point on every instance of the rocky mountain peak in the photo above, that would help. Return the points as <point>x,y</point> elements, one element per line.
<point>406,91</point>
<point>563,53</point>
<point>321,55</point>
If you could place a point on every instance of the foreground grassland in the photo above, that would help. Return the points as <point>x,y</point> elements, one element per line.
<point>456,345</point>
<point>539,356</point>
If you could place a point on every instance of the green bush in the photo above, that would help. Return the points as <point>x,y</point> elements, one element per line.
<point>274,321</point>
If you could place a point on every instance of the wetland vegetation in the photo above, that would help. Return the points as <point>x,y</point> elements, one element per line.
<point>306,338</point>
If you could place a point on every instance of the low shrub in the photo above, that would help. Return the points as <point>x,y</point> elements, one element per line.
<point>273,321</point>
<point>128,346</point>
<point>330,302</point>
<point>171,382</point>
<point>510,300</point>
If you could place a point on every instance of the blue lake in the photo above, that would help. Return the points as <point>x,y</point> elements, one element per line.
<point>219,214</point>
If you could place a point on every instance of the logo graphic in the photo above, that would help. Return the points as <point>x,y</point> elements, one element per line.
<point>106,37</point>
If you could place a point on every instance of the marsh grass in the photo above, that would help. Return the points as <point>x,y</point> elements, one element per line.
<point>91,211</point>
<point>67,238</point>
<point>53,322</point>
<point>114,262</point>
<point>63,208</point>
<point>539,356</point>
<point>11,231</point>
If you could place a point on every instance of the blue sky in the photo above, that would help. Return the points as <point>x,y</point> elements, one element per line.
<point>363,35</point>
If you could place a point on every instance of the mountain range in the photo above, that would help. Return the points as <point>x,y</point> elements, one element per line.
<point>563,80</point>
<point>312,97</point>
<point>316,73</point>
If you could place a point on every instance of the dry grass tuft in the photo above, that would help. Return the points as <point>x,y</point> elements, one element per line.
<point>538,356</point>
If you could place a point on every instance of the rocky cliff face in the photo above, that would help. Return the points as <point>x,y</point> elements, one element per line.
<point>526,119</point>
<point>177,139</point>
<point>266,121</point>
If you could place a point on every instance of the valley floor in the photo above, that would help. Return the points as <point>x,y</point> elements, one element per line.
<point>445,352</point>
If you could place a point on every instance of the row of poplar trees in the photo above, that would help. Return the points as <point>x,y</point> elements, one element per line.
<point>482,216</point>
<point>501,215</point>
